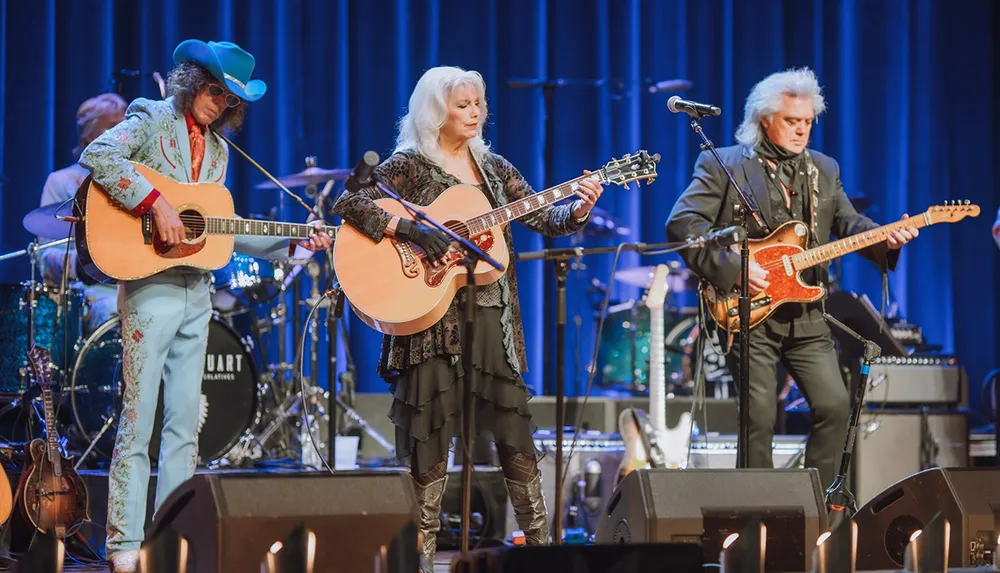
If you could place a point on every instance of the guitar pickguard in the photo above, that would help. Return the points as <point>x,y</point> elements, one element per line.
<point>435,275</point>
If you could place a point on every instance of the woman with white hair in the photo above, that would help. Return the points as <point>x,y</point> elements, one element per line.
<point>790,183</point>
<point>440,144</point>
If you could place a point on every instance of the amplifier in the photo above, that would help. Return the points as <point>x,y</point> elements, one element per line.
<point>916,381</point>
<point>893,444</point>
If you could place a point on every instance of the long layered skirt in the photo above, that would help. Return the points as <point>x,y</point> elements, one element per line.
<point>427,400</point>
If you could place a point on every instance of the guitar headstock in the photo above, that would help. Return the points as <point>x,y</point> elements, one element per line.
<point>631,167</point>
<point>658,288</point>
<point>38,366</point>
<point>952,212</point>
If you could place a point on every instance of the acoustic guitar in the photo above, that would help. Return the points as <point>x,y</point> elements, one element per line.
<point>51,495</point>
<point>784,255</point>
<point>116,244</point>
<point>649,443</point>
<point>392,286</point>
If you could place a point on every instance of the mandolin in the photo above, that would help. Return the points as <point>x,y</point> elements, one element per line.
<point>395,289</point>
<point>649,443</point>
<point>784,255</point>
<point>51,495</point>
<point>116,244</point>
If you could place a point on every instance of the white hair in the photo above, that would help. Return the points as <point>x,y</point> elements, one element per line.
<point>428,111</point>
<point>767,98</point>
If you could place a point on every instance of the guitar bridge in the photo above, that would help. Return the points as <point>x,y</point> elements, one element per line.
<point>147,228</point>
<point>754,305</point>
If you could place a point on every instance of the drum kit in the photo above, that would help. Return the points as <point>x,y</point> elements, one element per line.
<point>251,408</point>
<point>623,354</point>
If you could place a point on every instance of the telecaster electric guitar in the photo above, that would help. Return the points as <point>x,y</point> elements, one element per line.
<point>784,255</point>
<point>116,244</point>
<point>392,286</point>
<point>649,443</point>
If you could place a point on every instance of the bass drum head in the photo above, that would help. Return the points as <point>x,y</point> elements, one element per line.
<point>228,388</point>
<point>680,343</point>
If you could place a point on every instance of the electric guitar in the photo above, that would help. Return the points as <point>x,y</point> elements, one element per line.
<point>392,286</point>
<point>51,495</point>
<point>784,255</point>
<point>648,441</point>
<point>116,244</point>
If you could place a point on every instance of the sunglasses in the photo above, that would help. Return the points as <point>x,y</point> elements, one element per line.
<point>232,100</point>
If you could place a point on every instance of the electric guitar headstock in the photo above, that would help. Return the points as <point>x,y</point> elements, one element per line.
<point>637,166</point>
<point>657,292</point>
<point>951,212</point>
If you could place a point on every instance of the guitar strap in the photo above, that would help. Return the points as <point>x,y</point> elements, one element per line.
<point>813,173</point>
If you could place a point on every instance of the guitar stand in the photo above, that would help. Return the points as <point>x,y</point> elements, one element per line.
<point>838,496</point>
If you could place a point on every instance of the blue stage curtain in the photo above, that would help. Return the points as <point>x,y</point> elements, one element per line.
<point>910,84</point>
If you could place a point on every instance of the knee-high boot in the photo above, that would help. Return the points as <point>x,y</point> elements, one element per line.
<point>429,502</point>
<point>529,509</point>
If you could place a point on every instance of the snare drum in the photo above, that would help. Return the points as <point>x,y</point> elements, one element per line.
<point>228,387</point>
<point>58,333</point>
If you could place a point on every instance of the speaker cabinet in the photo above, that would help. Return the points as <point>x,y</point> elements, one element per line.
<point>231,520</point>
<point>969,498</point>
<point>705,506</point>
<point>913,439</point>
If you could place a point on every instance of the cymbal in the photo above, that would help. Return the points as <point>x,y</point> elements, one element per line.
<point>604,224</point>
<point>308,176</point>
<point>43,222</point>
<point>679,279</point>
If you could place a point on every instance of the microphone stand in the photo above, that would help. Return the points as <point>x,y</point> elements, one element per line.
<point>748,208</point>
<point>560,258</point>
<point>838,496</point>
<point>473,255</point>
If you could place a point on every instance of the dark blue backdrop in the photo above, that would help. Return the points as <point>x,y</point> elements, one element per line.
<point>911,86</point>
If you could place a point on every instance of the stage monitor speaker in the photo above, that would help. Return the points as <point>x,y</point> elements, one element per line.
<point>705,506</point>
<point>969,498</point>
<point>231,520</point>
<point>641,558</point>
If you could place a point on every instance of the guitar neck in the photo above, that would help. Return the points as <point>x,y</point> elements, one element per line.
<point>657,371</point>
<point>256,228</point>
<point>529,204</point>
<point>52,439</point>
<point>839,248</point>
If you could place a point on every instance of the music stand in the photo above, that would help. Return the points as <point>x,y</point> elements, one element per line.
<point>858,312</point>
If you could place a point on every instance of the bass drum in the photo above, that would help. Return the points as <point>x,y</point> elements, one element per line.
<point>229,398</point>
<point>680,342</point>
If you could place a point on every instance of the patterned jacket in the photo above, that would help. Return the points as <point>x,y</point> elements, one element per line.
<point>155,134</point>
<point>418,180</point>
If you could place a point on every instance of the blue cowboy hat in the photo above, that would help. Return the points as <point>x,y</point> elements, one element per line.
<point>226,61</point>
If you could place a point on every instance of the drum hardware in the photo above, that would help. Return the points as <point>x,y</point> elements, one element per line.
<point>108,420</point>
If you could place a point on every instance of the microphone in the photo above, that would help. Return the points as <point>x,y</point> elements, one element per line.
<point>722,238</point>
<point>671,86</point>
<point>694,109</point>
<point>363,173</point>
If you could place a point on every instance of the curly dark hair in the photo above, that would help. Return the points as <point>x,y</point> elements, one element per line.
<point>186,81</point>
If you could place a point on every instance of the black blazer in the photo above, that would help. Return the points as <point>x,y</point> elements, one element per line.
<point>710,200</point>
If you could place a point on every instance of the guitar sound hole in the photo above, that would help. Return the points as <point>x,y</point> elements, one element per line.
<point>194,224</point>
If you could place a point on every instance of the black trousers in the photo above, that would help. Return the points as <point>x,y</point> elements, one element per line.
<point>811,359</point>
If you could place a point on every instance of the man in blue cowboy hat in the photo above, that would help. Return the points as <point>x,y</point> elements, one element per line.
<point>165,318</point>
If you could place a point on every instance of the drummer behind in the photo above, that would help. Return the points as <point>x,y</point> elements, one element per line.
<point>94,117</point>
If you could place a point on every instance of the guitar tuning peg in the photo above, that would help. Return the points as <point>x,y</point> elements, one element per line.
<point>967,202</point>
<point>650,181</point>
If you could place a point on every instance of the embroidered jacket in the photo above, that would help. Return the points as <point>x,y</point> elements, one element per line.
<point>418,180</point>
<point>155,134</point>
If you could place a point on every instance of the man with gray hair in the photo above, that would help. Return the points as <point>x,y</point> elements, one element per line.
<point>790,183</point>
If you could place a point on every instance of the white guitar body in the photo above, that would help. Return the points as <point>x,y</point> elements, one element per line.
<point>649,443</point>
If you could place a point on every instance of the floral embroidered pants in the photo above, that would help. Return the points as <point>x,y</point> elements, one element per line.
<point>164,337</point>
